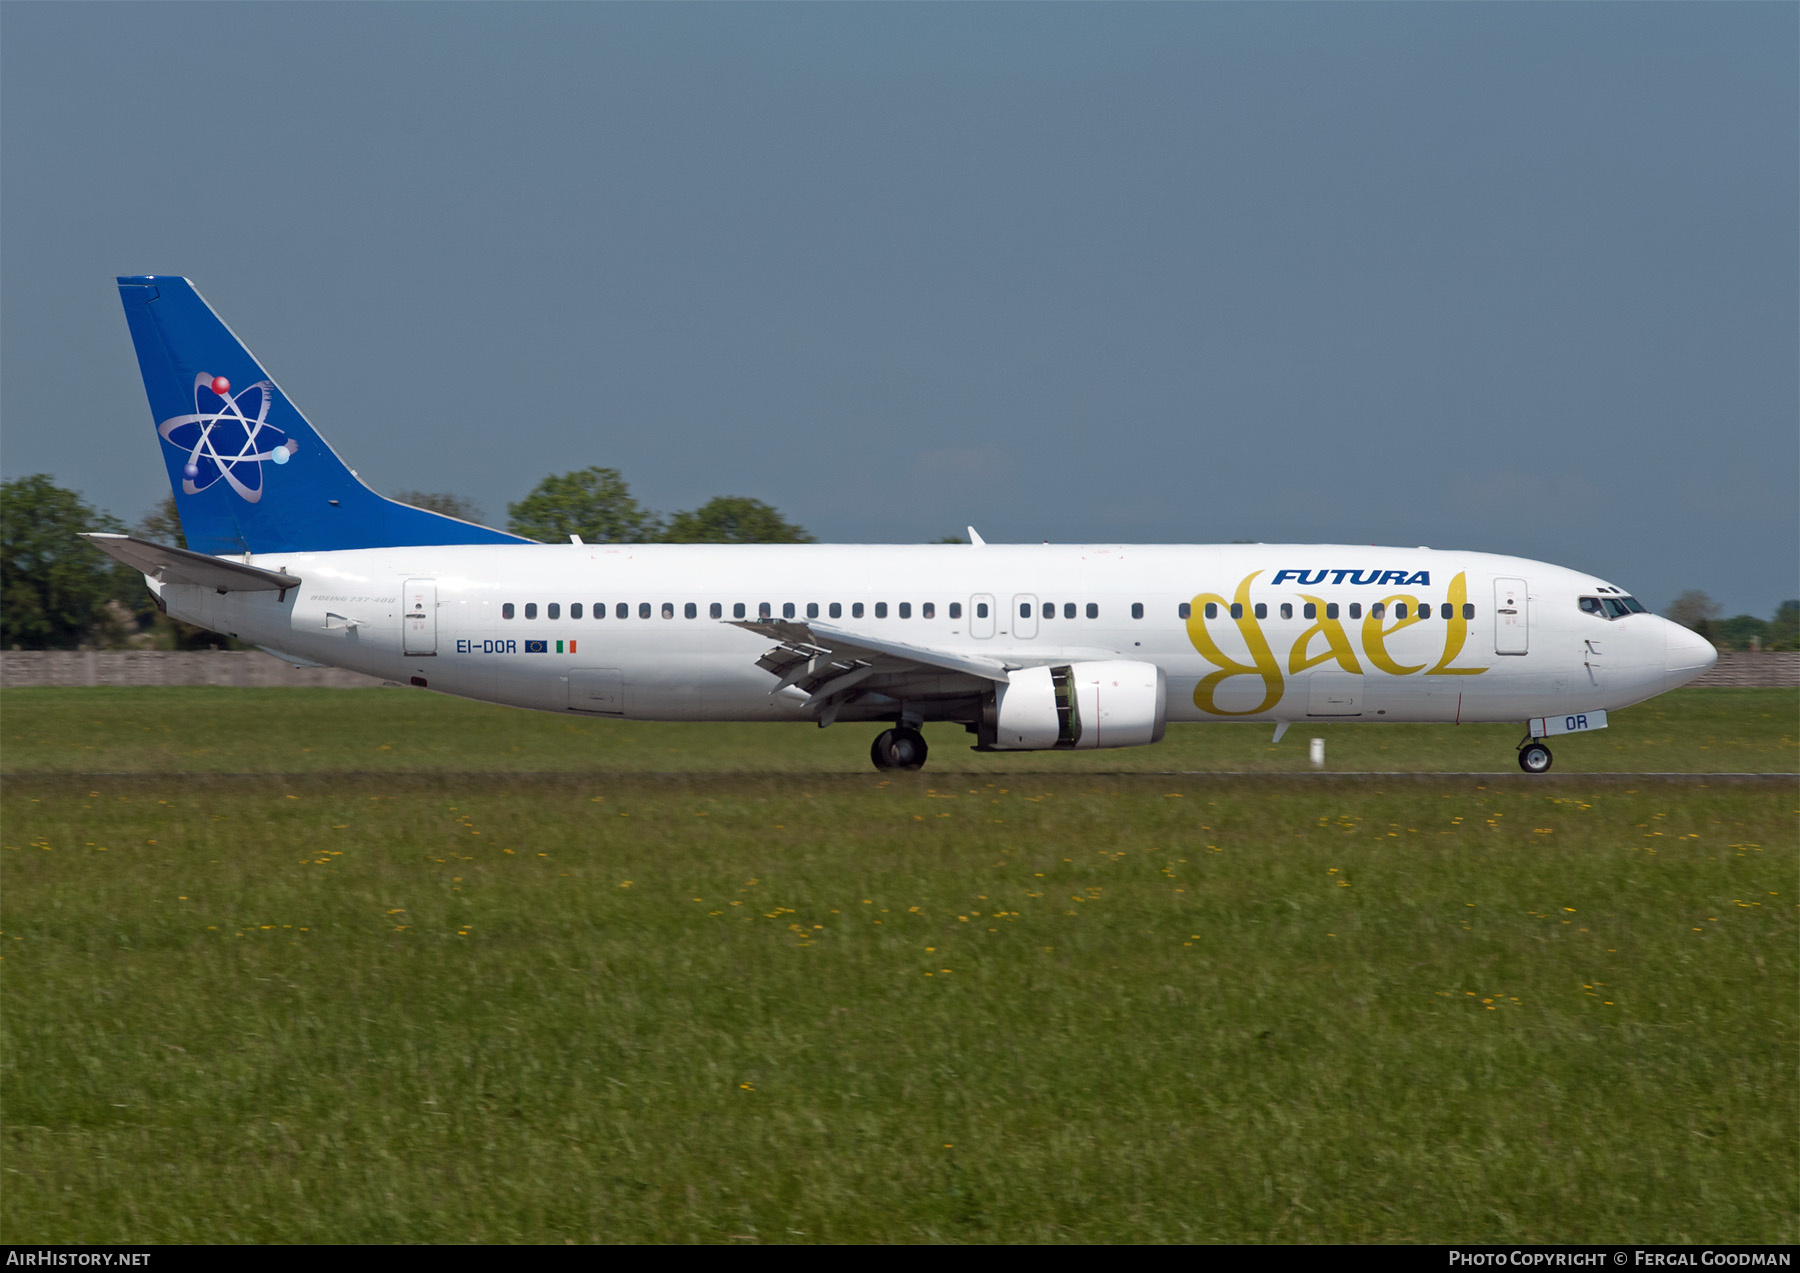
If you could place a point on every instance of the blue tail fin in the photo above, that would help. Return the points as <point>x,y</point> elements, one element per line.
<point>249,473</point>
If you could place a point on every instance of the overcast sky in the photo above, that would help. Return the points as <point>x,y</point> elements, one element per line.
<point>1518,278</point>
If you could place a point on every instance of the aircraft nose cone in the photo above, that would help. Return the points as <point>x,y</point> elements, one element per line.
<point>1686,655</point>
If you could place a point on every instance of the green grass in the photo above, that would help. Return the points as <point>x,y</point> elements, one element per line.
<point>296,731</point>
<point>301,999</point>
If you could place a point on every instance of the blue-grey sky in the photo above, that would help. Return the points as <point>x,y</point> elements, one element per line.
<point>1519,278</point>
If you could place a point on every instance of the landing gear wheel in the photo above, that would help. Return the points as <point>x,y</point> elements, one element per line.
<point>1534,758</point>
<point>900,748</point>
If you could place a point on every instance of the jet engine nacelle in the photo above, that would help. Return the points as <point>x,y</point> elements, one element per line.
<point>1078,705</point>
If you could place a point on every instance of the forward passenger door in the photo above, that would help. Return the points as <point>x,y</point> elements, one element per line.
<point>1512,617</point>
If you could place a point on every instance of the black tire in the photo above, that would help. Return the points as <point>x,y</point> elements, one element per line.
<point>910,750</point>
<point>1535,758</point>
<point>899,749</point>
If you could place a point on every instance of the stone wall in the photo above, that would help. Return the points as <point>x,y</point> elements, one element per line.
<point>20,668</point>
<point>1769,669</point>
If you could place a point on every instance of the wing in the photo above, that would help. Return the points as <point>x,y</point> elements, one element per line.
<point>833,666</point>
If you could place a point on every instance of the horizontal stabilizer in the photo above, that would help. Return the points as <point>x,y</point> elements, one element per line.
<point>179,566</point>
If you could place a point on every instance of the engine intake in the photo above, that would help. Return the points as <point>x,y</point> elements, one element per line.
<point>1078,706</point>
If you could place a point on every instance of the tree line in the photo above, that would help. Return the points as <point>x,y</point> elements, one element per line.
<point>57,592</point>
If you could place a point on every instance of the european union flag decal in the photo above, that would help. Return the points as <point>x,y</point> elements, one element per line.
<point>537,647</point>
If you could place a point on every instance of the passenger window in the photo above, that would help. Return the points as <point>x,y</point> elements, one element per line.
<point>1356,609</point>
<point>928,610</point>
<point>1262,610</point>
<point>1137,609</point>
<point>1445,611</point>
<point>599,609</point>
<point>764,611</point>
<point>812,609</point>
<point>956,609</point>
<point>506,611</point>
<point>1287,609</point>
<point>1212,609</point>
<point>787,609</point>
<point>836,611</point>
<point>1331,610</point>
<point>1376,611</point>
<point>1400,609</point>
<point>981,610</point>
<point>1068,609</point>
<point>1049,609</point>
<point>1024,609</point>
<point>668,608</point>
<point>881,609</point>
<point>575,610</point>
<point>690,610</point>
<point>906,609</point>
<point>622,611</point>
<point>531,609</point>
<point>1468,610</point>
<point>716,610</point>
<point>856,609</point>
<point>1237,610</point>
<point>737,609</point>
<point>1093,610</point>
<point>643,609</point>
<point>1183,610</point>
<point>1311,611</point>
<point>553,611</point>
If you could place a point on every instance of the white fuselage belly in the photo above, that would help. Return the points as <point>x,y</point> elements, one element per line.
<point>348,612</point>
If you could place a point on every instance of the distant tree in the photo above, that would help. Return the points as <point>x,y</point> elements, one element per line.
<point>1740,632</point>
<point>443,502</point>
<point>1695,611</point>
<point>948,539</point>
<point>734,519</point>
<point>1784,628</point>
<point>594,503</point>
<point>162,524</point>
<point>53,586</point>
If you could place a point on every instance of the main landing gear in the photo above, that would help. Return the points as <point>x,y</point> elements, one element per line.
<point>1534,757</point>
<point>901,748</point>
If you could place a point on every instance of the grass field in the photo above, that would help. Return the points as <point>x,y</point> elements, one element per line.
<point>304,1000</point>
<point>179,730</point>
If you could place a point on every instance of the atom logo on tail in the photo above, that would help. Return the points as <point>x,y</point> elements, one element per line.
<point>222,442</point>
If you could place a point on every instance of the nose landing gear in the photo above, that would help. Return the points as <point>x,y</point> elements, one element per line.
<point>1534,757</point>
<point>902,748</point>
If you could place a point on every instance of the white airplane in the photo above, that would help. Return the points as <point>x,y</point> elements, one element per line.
<point>1028,647</point>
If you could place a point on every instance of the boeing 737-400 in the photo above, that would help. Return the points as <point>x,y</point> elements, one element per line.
<point>1028,647</point>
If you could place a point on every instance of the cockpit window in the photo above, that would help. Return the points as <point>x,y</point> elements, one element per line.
<point>1615,607</point>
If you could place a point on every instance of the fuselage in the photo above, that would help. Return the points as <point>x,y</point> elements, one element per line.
<point>1247,632</point>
